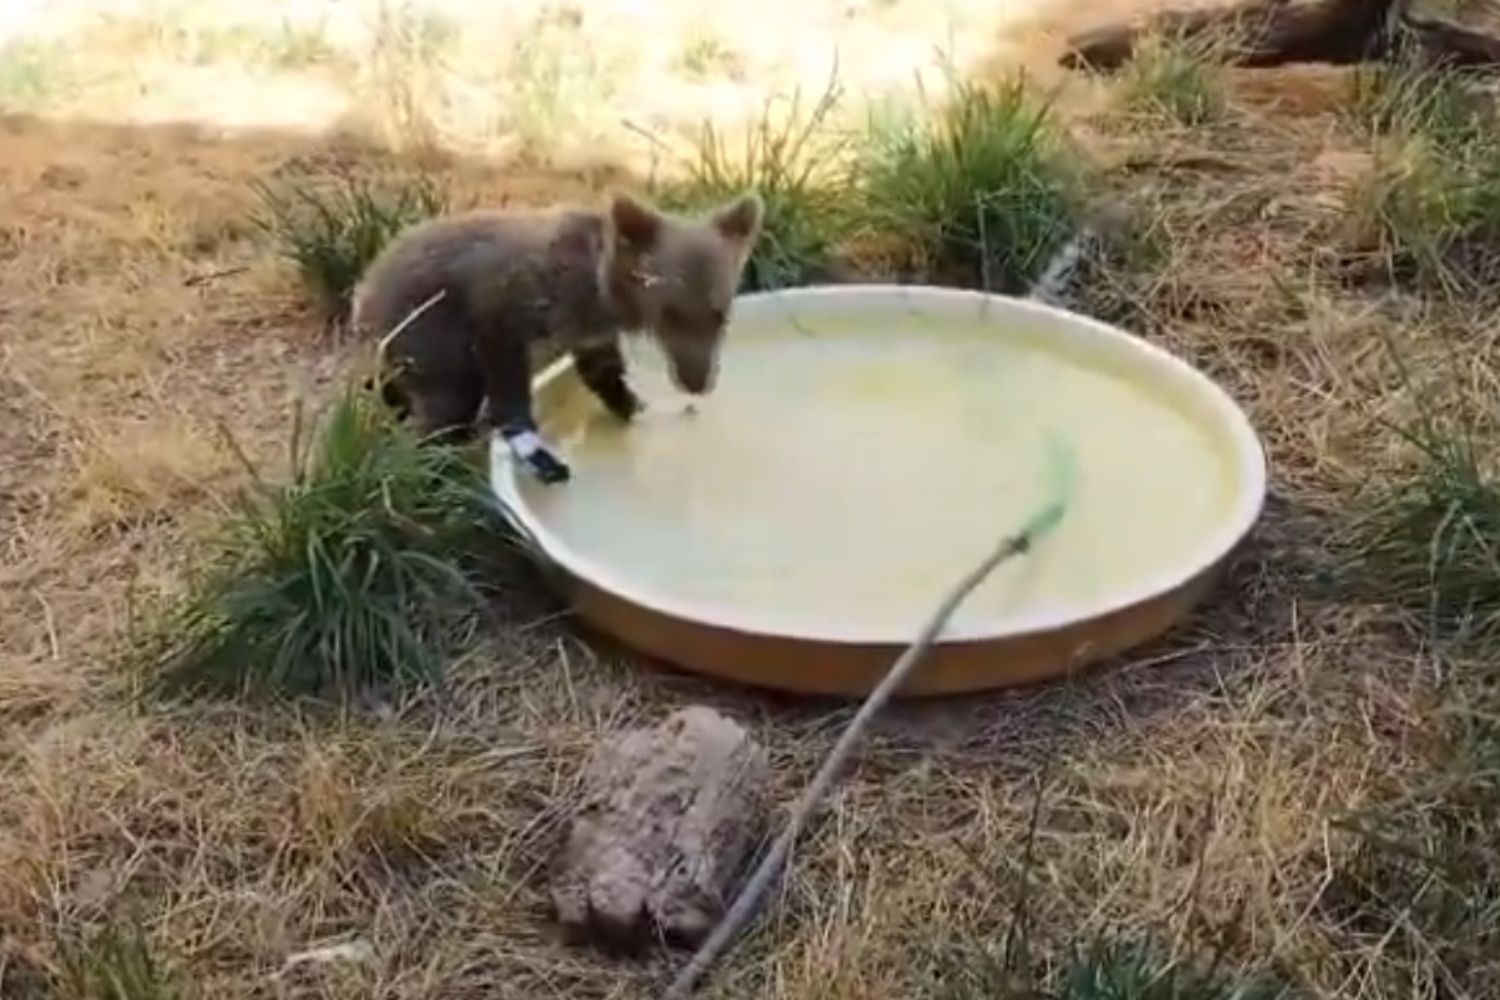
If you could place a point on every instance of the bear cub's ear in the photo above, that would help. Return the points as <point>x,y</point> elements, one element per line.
<point>635,224</point>
<point>739,221</point>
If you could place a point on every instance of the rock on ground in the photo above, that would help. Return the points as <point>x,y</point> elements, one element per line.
<point>666,822</point>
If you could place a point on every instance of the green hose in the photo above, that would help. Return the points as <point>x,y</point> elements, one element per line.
<point>1062,483</point>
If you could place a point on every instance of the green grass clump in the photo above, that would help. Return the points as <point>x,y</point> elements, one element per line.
<point>1403,95</point>
<point>1104,966</point>
<point>1424,879</point>
<point>1432,206</point>
<point>1412,210</point>
<point>331,232</point>
<point>1432,538</point>
<point>1436,540</point>
<point>982,193</point>
<point>798,170</point>
<point>1130,970</point>
<point>1178,78</point>
<point>114,963</point>
<point>1434,213</point>
<point>359,573</point>
<point>1108,969</point>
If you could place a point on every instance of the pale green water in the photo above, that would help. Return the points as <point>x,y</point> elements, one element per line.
<point>851,476</point>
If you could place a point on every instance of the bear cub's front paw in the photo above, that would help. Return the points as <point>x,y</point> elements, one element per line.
<point>548,467</point>
<point>623,403</point>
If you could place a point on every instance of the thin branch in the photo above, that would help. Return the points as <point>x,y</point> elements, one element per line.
<point>749,898</point>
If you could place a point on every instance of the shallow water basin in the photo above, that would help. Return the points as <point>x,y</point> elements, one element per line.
<point>864,448</point>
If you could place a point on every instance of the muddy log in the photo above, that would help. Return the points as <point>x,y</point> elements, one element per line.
<point>1263,33</point>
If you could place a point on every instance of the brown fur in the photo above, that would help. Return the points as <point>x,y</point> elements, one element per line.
<point>582,277</point>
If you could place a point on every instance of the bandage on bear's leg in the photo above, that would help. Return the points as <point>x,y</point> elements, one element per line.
<point>527,445</point>
<point>507,383</point>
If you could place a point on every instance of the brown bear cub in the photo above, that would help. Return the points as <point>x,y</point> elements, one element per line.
<point>457,302</point>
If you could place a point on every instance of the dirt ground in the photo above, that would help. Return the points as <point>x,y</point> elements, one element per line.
<point>1191,790</point>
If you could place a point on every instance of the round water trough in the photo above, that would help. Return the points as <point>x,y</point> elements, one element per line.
<point>864,448</point>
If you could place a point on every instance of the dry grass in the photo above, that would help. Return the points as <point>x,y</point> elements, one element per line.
<point>144,470</point>
<point>539,80</point>
<point>1430,204</point>
<point>1193,796</point>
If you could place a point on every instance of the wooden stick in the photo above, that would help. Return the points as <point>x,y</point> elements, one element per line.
<point>410,318</point>
<point>760,881</point>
